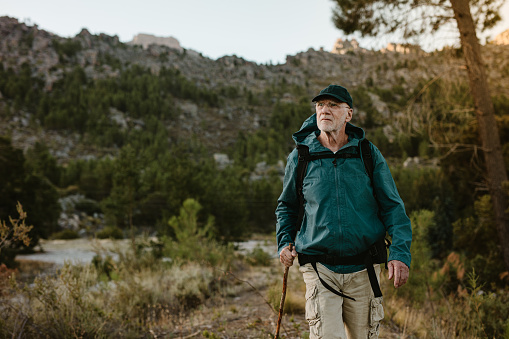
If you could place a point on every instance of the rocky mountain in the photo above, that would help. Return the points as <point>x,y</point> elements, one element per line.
<point>101,56</point>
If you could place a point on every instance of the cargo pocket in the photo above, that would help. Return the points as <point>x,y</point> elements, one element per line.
<point>376,314</point>
<point>313,311</point>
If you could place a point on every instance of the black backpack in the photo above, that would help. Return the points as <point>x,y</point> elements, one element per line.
<point>376,253</point>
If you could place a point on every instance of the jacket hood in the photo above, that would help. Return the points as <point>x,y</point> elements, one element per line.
<point>310,126</point>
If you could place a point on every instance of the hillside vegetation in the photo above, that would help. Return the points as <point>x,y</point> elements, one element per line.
<point>103,139</point>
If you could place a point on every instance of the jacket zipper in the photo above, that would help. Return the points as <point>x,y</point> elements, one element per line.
<point>338,198</point>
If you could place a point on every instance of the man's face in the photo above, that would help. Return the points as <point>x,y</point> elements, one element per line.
<point>331,115</point>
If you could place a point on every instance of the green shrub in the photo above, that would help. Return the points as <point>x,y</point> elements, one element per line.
<point>476,237</point>
<point>492,309</point>
<point>194,241</point>
<point>66,48</point>
<point>258,257</point>
<point>108,232</point>
<point>422,264</point>
<point>88,206</point>
<point>479,314</point>
<point>105,267</point>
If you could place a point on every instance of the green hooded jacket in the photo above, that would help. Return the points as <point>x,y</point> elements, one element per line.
<point>341,214</point>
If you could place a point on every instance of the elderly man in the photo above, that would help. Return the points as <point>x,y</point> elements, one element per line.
<point>337,215</point>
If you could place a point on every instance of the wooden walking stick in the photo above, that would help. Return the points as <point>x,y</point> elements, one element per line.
<point>283,295</point>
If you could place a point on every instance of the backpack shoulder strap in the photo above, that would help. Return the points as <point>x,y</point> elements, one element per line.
<point>368,159</point>
<point>370,167</point>
<point>302,166</point>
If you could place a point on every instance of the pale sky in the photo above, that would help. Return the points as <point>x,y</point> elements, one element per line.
<point>262,31</point>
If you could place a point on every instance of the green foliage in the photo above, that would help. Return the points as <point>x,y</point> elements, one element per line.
<point>22,88</point>
<point>120,205</point>
<point>447,118</point>
<point>258,257</point>
<point>363,102</point>
<point>274,143</point>
<point>110,232</point>
<point>493,309</point>
<point>482,314</point>
<point>83,105</point>
<point>442,290</point>
<point>402,19</point>
<point>483,253</point>
<point>40,161</point>
<point>384,144</point>
<point>35,193</point>
<point>106,267</point>
<point>230,92</point>
<point>66,49</point>
<point>27,40</point>
<point>67,105</point>
<point>110,60</point>
<point>194,240</point>
<point>501,106</point>
<point>93,177</point>
<point>261,202</point>
<point>87,206</point>
<point>225,198</point>
<point>435,194</point>
<point>417,287</point>
<point>211,335</point>
<point>395,97</point>
<point>41,199</point>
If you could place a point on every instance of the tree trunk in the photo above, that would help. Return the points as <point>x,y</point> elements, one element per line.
<point>488,130</point>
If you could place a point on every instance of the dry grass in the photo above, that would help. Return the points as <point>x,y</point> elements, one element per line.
<point>295,302</point>
<point>77,302</point>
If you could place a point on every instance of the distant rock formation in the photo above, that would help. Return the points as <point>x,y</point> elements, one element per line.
<point>402,48</point>
<point>344,46</point>
<point>147,39</point>
<point>502,38</point>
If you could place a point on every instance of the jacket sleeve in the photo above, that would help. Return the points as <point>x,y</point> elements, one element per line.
<point>392,209</point>
<point>287,205</point>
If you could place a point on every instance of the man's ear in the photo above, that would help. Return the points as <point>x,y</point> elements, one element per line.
<point>349,115</point>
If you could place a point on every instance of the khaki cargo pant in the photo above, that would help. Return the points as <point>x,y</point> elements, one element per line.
<point>331,316</point>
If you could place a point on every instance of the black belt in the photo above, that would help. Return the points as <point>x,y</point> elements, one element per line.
<point>376,254</point>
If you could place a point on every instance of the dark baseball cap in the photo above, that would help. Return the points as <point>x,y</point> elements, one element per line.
<point>335,91</point>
